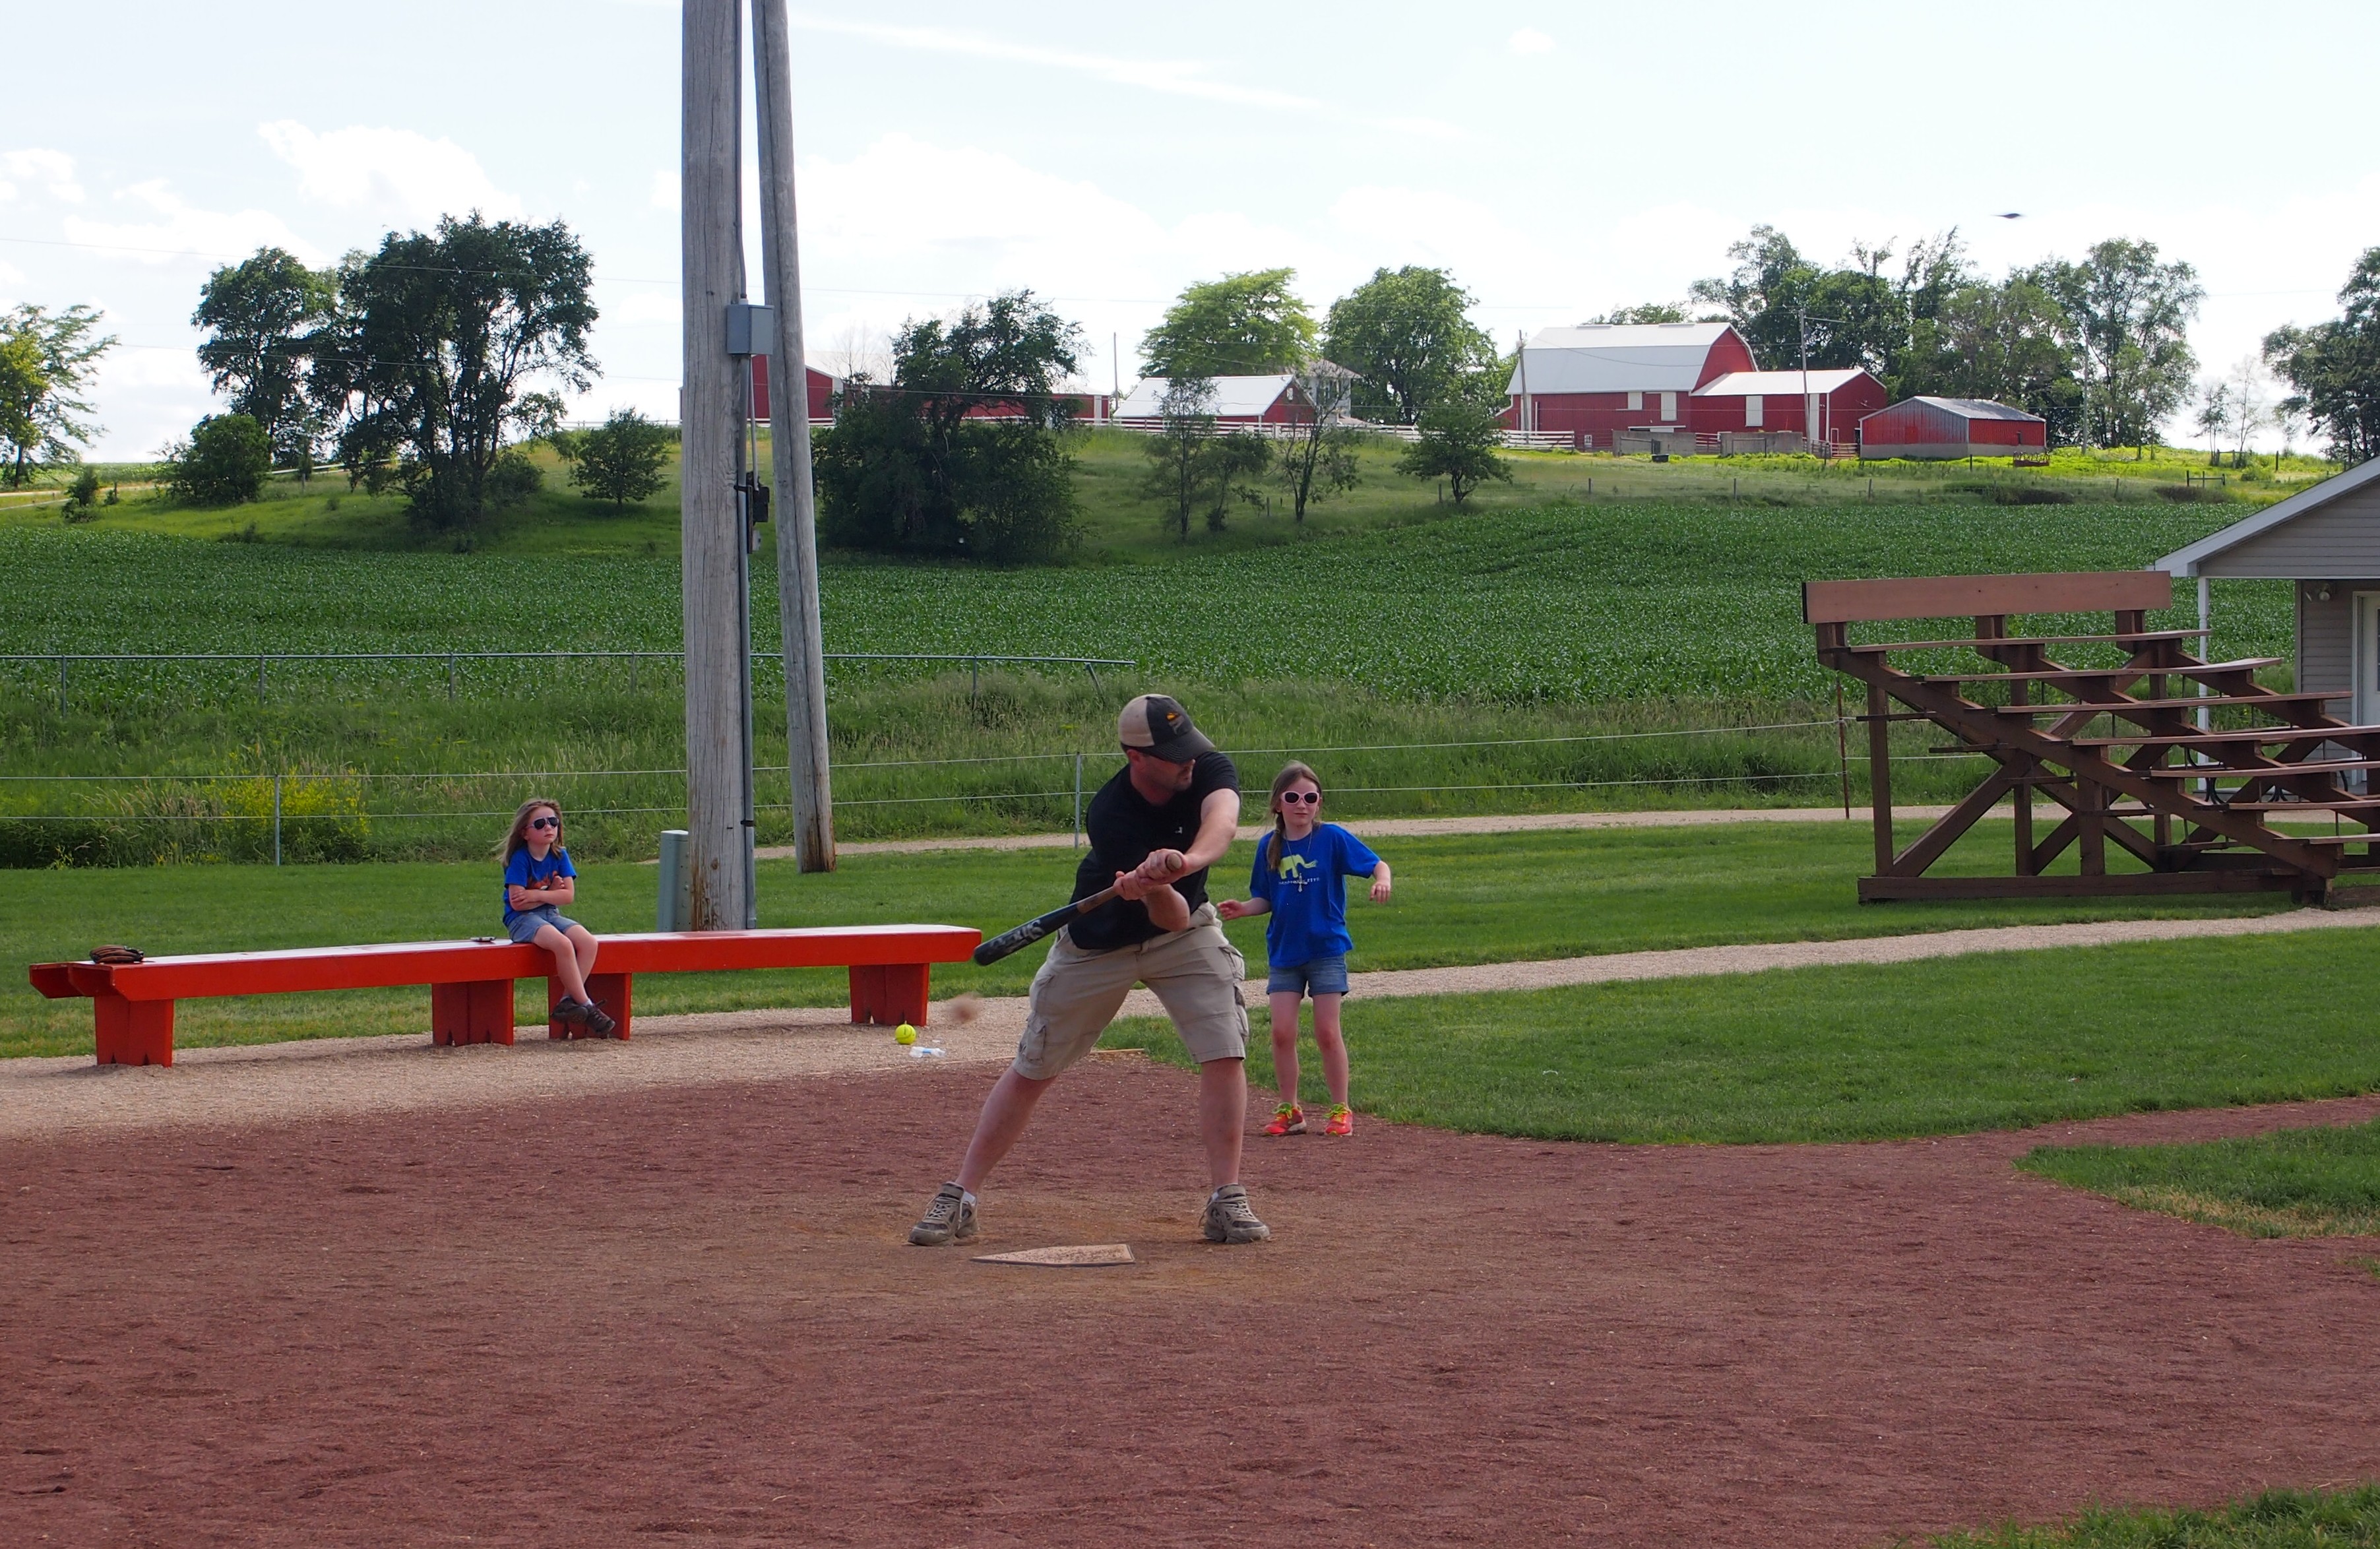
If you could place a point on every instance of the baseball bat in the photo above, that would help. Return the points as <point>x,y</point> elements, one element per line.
<point>1022,937</point>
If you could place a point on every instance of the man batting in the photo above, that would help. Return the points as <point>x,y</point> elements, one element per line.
<point>1154,829</point>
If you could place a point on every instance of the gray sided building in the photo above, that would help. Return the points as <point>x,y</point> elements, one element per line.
<point>2326,540</point>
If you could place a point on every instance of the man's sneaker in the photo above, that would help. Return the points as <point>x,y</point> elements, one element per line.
<point>1287,1119</point>
<point>1229,1219</point>
<point>571,1011</point>
<point>603,1026</point>
<point>1341,1121</point>
<point>950,1219</point>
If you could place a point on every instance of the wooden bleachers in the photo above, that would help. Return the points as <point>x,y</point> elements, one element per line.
<point>2200,801</point>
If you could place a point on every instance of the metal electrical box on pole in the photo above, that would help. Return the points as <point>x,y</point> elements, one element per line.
<point>718,636</point>
<point>789,430</point>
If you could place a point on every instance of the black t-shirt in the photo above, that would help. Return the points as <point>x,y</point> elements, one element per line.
<point>1124,830</point>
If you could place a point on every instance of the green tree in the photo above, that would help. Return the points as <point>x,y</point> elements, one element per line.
<point>1461,442</point>
<point>2333,368</point>
<point>2003,342</point>
<point>1177,453</point>
<point>1229,461</point>
<point>1853,316</point>
<point>82,497</point>
<point>222,463</point>
<point>46,361</point>
<point>1649,312</point>
<point>1322,461</point>
<point>2128,318</point>
<point>425,364</point>
<point>1408,335</point>
<point>1246,324</point>
<point>261,317</point>
<point>619,460</point>
<point>905,467</point>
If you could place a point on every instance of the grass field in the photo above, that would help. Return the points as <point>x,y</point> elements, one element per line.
<point>1121,522</point>
<point>2316,1182</point>
<point>1460,899</point>
<point>2275,1519</point>
<point>1567,621</point>
<point>1870,1053</point>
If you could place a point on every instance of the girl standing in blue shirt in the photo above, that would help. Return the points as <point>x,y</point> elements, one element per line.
<point>1297,880</point>
<point>538,878</point>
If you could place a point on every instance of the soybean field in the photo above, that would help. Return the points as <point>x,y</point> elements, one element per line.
<point>1568,604</point>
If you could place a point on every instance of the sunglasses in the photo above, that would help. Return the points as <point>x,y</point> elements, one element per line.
<point>546,823</point>
<point>1310,797</point>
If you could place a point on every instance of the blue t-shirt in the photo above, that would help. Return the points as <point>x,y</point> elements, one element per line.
<point>1308,898</point>
<point>521,871</point>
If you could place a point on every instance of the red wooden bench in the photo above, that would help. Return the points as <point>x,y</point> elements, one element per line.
<point>471,981</point>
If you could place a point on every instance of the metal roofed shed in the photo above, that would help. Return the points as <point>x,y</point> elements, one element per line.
<point>1940,430</point>
<point>1275,399</point>
<point>1787,401</point>
<point>2326,540</point>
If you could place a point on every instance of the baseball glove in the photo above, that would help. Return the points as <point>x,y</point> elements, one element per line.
<point>114,954</point>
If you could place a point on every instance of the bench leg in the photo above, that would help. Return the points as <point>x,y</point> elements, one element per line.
<point>612,992</point>
<point>887,993</point>
<point>476,1012</point>
<point>133,1031</point>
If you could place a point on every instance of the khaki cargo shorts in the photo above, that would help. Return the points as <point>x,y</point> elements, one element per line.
<point>1196,973</point>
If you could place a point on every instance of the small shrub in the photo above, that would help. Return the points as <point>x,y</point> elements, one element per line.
<point>512,480</point>
<point>224,463</point>
<point>620,461</point>
<point>82,497</point>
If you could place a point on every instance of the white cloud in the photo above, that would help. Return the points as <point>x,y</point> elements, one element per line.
<point>180,231</point>
<point>665,194</point>
<point>1181,78</point>
<point>392,176</point>
<point>54,170</point>
<point>1528,40</point>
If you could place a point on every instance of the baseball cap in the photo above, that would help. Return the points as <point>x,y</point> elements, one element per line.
<point>1162,728</point>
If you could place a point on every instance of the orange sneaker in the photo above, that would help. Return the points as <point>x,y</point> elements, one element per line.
<point>1341,1121</point>
<point>1287,1119</point>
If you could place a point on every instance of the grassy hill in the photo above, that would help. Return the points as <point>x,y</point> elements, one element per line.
<point>1122,524</point>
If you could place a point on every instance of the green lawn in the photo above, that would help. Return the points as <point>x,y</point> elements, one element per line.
<point>1460,899</point>
<point>2275,1519</point>
<point>2317,1182</point>
<point>1993,1041</point>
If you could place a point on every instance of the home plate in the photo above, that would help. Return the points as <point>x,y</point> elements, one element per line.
<point>1077,1256</point>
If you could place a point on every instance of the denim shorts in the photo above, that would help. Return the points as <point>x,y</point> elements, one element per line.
<point>528,922</point>
<point>1323,976</point>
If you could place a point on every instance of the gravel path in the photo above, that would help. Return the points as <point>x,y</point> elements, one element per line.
<point>1406,828</point>
<point>276,1083</point>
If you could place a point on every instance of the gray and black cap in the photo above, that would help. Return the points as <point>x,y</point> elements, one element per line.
<point>1161,727</point>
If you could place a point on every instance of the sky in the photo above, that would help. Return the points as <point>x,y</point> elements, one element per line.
<point>1559,161</point>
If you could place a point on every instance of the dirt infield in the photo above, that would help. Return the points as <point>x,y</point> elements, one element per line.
<point>686,1316</point>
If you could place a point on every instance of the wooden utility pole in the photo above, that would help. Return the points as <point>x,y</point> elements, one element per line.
<point>789,434</point>
<point>718,650</point>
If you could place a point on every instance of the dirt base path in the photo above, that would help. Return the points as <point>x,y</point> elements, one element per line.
<point>687,1317</point>
<point>276,1083</point>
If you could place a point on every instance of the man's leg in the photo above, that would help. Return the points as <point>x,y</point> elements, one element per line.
<point>1005,1113</point>
<point>1222,1114</point>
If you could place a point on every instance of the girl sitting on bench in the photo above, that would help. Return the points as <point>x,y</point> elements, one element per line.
<point>537,879</point>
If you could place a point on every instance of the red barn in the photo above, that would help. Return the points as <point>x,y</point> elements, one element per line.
<point>1940,429</point>
<point>1772,401</point>
<point>1592,382</point>
<point>1239,400</point>
<point>822,387</point>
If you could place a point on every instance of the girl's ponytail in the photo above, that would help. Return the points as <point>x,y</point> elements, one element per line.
<point>1290,775</point>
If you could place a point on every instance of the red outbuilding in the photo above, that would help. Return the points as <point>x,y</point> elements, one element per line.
<point>822,388</point>
<point>1824,405</point>
<point>1940,429</point>
<point>1593,381</point>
